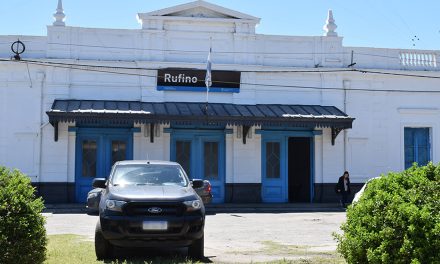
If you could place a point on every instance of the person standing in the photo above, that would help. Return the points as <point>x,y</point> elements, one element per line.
<point>343,188</point>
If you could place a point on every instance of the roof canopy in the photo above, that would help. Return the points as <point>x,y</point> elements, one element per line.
<point>186,113</point>
<point>129,112</point>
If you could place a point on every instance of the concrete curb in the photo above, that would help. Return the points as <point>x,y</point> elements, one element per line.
<point>75,208</point>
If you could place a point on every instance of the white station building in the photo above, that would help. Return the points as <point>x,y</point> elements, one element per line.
<point>285,117</point>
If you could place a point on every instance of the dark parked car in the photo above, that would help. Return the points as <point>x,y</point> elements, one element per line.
<point>94,196</point>
<point>149,204</point>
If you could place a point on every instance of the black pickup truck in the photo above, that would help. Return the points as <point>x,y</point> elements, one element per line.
<point>149,204</point>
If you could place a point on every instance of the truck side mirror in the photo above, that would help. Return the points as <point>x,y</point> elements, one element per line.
<point>197,183</point>
<point>99,183</point>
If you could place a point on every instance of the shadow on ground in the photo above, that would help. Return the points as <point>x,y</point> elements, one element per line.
<point>153,255</point>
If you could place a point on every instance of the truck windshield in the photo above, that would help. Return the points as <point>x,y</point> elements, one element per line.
<point>149,174</point>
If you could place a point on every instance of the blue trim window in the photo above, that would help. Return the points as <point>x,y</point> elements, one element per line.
<point>89,157</point>
<point>119,148</point>
<point>183,155</point>
<point>211,160</point>
<point>417,146</point>
<point>273,160</point>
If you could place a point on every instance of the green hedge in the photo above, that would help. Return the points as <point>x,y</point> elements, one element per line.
<point>397,220</point>
<point>22,232</point>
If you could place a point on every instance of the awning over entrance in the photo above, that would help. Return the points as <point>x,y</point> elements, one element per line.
<point>129,112</point>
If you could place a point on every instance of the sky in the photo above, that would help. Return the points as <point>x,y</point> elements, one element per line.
<point>407,24</point>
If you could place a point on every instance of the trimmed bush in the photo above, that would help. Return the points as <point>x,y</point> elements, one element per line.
<point>22,232</point>
<point>397,219</point>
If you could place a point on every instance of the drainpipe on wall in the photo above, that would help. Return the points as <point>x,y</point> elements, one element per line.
<point>232,143</point>
<point>40,77</point>
<point>321,192</point>
<point>346,85</point>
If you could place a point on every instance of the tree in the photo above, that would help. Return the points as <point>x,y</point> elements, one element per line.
<point>22,233</point>
<point>397,219</point>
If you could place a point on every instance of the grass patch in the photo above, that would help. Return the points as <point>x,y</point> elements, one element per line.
<point>74,249</point>
<point>70,249</point>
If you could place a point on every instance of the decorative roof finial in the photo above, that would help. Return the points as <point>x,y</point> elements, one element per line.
<point>330,25</point>
<point>59,15</point>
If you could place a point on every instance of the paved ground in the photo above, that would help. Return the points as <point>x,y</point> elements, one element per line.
<point>241,237</point>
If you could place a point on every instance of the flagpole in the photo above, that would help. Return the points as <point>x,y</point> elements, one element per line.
<point>208,77</point>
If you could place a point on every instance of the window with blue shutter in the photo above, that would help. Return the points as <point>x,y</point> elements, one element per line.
<point>417,146</point>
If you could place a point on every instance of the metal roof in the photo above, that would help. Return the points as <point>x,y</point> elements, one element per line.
<point>129,112</point>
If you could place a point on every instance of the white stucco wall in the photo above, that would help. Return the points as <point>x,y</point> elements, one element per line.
<point>55,155</point>
<point>20,118</point>
<point>245,159</point>
<point>144,149</point>
<point>373,146</point>
<point>376,141</point>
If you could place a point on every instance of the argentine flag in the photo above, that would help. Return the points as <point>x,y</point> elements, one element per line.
<point>208,80</point>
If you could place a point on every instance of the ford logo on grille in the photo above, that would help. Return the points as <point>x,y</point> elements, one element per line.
<point>155,210</point>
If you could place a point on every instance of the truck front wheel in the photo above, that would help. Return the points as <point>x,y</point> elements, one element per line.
<point>197,249</point>
<point>103,248</point>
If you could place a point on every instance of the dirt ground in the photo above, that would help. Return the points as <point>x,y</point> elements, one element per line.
<point>242,237</point>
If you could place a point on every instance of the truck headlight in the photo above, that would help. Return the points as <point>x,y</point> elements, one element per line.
<point>114,205</point>
<point>193,205</point>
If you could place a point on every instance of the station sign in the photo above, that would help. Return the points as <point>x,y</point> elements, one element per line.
<point>174,79</point>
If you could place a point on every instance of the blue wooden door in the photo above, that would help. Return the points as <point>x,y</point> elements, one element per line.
<point>202,156</point>
<point>275,164</point>
<point>211,153</point>
<point>88,164</point>
<point>117,147</point>
<point>274,170</point>
<point>96,152</point>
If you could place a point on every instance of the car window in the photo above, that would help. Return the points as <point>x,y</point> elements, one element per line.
<point>149,174</point>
